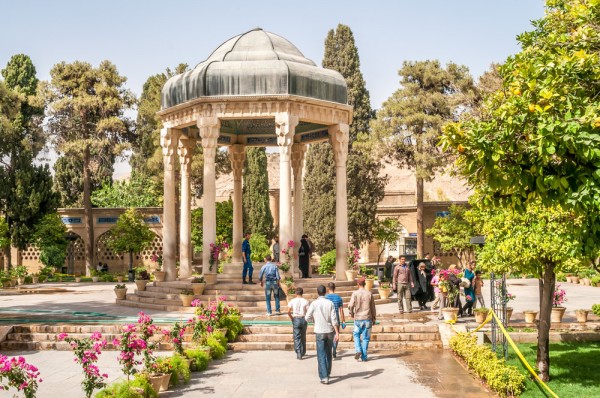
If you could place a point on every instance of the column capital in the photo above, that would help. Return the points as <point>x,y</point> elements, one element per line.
<point>185,151</point>
<point>168,142</point>
<point>237,156</point>
<point>209,132</point>
<point>285,127</point>
<point>338,138</point>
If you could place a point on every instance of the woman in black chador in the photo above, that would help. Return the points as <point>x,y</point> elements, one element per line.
<point>420,288</point>
<point>304,256</point>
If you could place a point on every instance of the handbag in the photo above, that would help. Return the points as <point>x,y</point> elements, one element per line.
<point>301,251</point>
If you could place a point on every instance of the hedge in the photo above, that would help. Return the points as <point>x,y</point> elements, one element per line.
<point>504,379</point>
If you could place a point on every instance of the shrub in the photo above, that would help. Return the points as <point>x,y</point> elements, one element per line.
<point>327,263</point>
<point>200,359</point>
<point>139,387</point>
<point>260,247</point>
<point>505,379</point>
<point>179,369</point>
<point>596,309</point>
<point>595,280</point>
<point>107,278</point>
<point>233,324</point>
<point>218,345</point>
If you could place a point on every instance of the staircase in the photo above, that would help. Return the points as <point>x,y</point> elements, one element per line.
<point>250,299</point>
<point>384,337</point>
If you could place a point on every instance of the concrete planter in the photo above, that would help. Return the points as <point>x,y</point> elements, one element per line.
<point>186,299</point>
<point>480,316</point>
<point>530,316</point>
<point>210,279</point>
<point>450,314</point>
<point>569,279</point>
<point>575,279</point>
<point>141,284</point>
<point>35,279</point>
<point>164,382</point>
<point>159,276</point>
<point>77,279</point>
<point>586,281</point>
<point>95,278</point>
<point>120,279</point>
<point>557,314</point>
<point>384,293</point>
<point>369,283</point>
<point>351,275</point>
<point>198,288</point>
<point>121,293</point>
<point>582,315</point>
<point>509,312</point>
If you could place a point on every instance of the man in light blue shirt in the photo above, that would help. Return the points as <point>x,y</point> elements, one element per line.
<point>269,278</point>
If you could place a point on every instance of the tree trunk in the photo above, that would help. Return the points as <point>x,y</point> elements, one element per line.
<point>87,212</point>
<point>130,260</point>
<point>420,230</point>
<point>546,287</point>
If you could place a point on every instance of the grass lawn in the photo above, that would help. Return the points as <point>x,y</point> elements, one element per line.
<point>574,369</point>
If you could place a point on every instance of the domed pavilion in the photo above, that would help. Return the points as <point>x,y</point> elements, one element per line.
<point>256,89</point>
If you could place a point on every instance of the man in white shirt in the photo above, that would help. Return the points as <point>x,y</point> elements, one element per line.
<point>322,312</point>
<point>297,308</point>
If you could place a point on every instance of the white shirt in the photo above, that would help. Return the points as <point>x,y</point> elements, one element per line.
<point>299,306</point>
<point>323,313</point>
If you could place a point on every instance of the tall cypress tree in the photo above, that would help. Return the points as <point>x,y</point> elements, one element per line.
<point>255,201</point>
<point>364,185</point>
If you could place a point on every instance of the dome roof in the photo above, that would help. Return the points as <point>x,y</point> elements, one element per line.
<point>255,63</point>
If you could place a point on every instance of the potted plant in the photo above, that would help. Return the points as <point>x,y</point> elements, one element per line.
<point>385,289</point>
<point>159,274</point>
<point>582,315</point>
<point>121,291</point>
<point>595,281</point>
<point>504,297</point>
<point>198,285</point>
<point>77,277</point>
<point>20,273</point>
<point>353,256</point>
<point>120,276</point>
<point>142,279</point>
<point>450,290</point>
<point>186,296</point>
<point>530,316</point>
<point>213,261</point>
<point>569,278</point>
<point>95,274</point>
<point>160,374</point>
<point>558,311</point>
<point>35,278</point>
<point>575,279</point>
<point>285,266</point>
<point>288,282</point>
<point>480,314</point>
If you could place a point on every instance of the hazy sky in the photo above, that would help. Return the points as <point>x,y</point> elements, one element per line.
<point>145,37</point>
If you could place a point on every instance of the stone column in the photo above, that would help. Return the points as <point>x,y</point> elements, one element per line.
<point>168,141</point>
<point>298,151</point>
<point>274,205</point>
<point>186,152</point>
<point>209,131</point>
<point>237,156</point>
<point>338,137</point>
<point>285,125</point>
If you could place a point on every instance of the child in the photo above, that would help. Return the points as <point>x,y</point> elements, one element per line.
<point>478,284</point>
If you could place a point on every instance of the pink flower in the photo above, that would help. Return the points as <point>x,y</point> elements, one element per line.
<point>62,336</point>
<point>291,243</point>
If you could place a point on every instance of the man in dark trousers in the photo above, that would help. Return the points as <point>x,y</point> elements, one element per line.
<point>246,253</point>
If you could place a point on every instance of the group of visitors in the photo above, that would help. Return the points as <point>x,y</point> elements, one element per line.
<point>327,313</point>
<point>423,284</point>
<point>305,251</point>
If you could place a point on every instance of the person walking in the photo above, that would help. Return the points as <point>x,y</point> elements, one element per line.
<point>246,257</point>
<point>469,290</point>
<point>269,278</point>
<point>478,286</point>
<point>297,308</point>
<point>276,249</point>
<point>339,310</point>
<point>420,289</point>
<point>304,256</point>
<point>362,309</point>
<point>322,312</point>
<point>402,282</point>
<point>435,282</point>
<point>388,268</point>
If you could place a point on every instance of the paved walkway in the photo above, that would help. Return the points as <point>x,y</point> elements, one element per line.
<point>279,374</point>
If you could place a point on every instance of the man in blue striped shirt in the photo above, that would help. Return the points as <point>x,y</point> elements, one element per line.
<point>339,310</point>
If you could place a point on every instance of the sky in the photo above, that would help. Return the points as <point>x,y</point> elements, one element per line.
<point>143,38</point>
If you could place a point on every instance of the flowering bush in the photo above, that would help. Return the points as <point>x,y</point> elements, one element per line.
<point>503,296</point>
<point>215,251</point>
<point>353,257</point>
<point>146,330</point>
<point>286,265</point>
<point>130,345</point>
<point>211,317</point>
<point>449,289</point>
<point>158,260</point>
<point>560,296</point>
<point>16,372</point>
<point>175,336</point>
<point>86,352</point>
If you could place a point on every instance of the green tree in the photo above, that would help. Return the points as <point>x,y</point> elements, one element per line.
<point>538,138</point>
<point>319,202</point>
<point>139,191</point>
<point>50,238</point>
<point>407,129</point>
<point>86,116</point>
<point>454,233</point>
<point>25,195</point>
<point>386,231</point>
<point>365,187</point>
<point>68,176</point>
<point>130,234</point>
<point>255,196</point>
<point>224,230</point>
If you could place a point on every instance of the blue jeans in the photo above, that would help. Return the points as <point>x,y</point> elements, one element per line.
<point>272,286</point>
<point>362,335</point>
<point>247,269</point>
<point>324,353</point>
<point>300,326</point>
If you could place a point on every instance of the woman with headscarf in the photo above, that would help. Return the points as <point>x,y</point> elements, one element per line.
<point>304,256</point>
<point>420,289</point>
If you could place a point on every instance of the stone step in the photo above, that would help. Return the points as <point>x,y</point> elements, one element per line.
<point>344,337</point>
<point>130,302</point>
<point>386,328</point>
<point>204,297</point>
<point>12,345</point>
<point>348,346</point>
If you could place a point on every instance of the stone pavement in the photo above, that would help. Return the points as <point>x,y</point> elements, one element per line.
<point>278,374</point>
